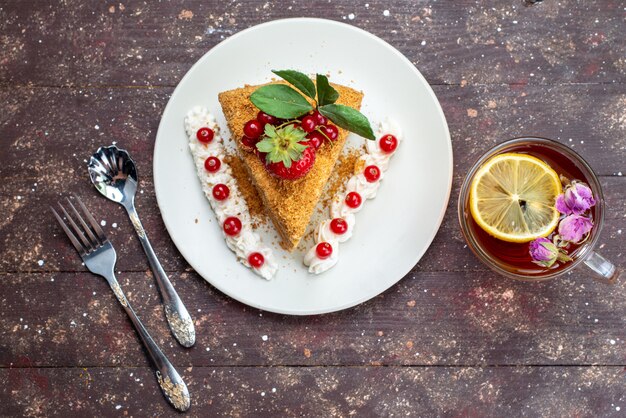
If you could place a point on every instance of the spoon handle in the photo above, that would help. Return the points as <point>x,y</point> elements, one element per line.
<point>177,316</point>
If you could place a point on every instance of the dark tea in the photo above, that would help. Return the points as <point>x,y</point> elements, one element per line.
<point>517,257</point>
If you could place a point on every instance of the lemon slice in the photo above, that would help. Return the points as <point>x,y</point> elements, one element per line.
<point>512,197</point>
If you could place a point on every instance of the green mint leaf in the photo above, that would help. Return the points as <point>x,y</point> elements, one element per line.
<point>300,81</point>
<point>280,101</point>
<point>348,118</point>
<point>326,94</point>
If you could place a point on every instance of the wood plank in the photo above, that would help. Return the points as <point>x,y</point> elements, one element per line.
<point>329,392</point>
<point>458,340</point>
<point>429,318</point>
<point>454,41</point>
<point>53,131</point>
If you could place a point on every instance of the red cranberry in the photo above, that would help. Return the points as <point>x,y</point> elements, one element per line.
<point>339,226</point>
<point>308,123</point>
<point>249,143</point>
<point>319,118</point>
<point>221,192</point>
<point>232,226</point>
<point>264,118</point>
<point>253,129</point>
<point>371,173</point>
<point>323,250</point>
<point>316,139</point>
<point>205,135</point>
<point>353,200</point>
<point>212,164</point>
<point>388,143</point>
<point>331,131</point>
<point>256,260</point>
<point>262,155</point>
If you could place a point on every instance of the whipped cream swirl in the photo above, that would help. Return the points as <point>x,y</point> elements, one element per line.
<point>247,241</point>
<point>317,265</point>
<point>339,209</point>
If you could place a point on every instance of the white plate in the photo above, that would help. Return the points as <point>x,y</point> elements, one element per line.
<point>393,231</point>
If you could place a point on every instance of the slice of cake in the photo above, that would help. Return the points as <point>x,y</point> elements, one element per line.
<point>289,192</point>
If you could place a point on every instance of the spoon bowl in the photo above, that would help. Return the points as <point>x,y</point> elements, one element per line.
<point>114,174</point>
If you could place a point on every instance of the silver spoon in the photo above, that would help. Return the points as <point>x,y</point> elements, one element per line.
<point>113,173</point>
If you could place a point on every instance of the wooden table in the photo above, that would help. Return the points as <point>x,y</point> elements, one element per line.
<point>450,339</point>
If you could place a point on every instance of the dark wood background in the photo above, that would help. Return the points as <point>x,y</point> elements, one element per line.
<point>450,339</point>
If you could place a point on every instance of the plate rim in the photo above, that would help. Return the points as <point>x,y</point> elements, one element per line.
<point>374,38</point>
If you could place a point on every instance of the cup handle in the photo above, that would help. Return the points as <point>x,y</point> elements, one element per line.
<point>604,271</point>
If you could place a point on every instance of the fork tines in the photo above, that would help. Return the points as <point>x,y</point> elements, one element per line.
<point>85,236</point>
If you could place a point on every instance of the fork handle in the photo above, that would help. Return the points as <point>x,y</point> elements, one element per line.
<point>178,318</point>
<point>172,385</point>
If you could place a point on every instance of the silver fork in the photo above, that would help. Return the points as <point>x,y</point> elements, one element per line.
<point>99,256</point>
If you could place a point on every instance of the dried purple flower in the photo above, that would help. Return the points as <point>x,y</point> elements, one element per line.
<point>561,206</point>
<point>576,199</point>
<point>574,228</point>
<point>543,252</point>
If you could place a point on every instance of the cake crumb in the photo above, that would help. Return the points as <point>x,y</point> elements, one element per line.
<point>345,167</point>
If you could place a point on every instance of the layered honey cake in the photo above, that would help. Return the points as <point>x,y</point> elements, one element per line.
<point>289,196</point>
